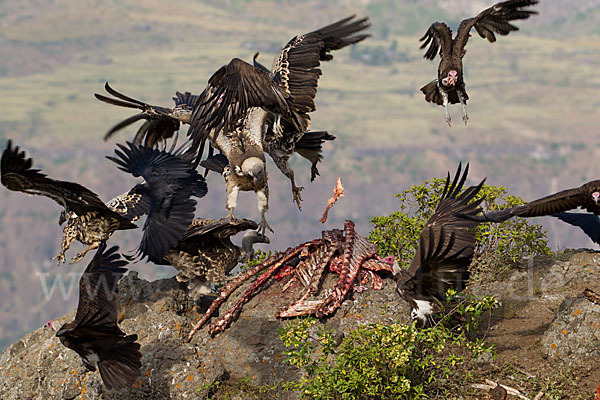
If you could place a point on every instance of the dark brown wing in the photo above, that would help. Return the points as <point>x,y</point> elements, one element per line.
<point>218,228</point>
<point>296,67</point>
<point>439,39</point>
<point>17,174</point>
<point>98,285</point>
<point>492,20</point>
<point>230,92</point>
<point>447,241</point>
<point>555,203</point>
<point>159,122</point>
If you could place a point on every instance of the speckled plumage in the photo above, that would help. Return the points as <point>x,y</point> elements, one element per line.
<point>88,219</point>
<point>206,252</point>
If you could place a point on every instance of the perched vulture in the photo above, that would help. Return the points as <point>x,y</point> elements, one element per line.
<point>587,196</point>
<point>205,253</point>
<point>445,250</point>
<point>94,333</point>
<point>169,183</point>
<point>247,109</point>
<point>87,218</point>
<point>449,87</point>
<point>160,124</point>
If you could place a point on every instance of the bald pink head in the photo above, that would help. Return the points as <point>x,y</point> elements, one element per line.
<point>451,78</point>
<point>596,197</point>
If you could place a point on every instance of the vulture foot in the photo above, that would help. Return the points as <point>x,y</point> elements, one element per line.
<point>465,116</point>
<point>60,258</point>
<point>78,257</point>
<point>448,119</point>
<point>297,196</point>
<point>263,226</point>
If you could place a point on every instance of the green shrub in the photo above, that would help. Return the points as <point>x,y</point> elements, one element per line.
<point>379,361</point>
<point>398,234</point>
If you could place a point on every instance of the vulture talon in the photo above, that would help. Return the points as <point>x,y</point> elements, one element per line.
<point>60,258</point>
<point>297,196</point>
<point>263,226</point>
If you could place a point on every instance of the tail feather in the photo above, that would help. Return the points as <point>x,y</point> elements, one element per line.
<point>310,147</point>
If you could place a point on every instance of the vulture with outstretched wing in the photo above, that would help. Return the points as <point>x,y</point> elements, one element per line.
<point>87,218</point>
<point>94,333</point>
<point>246,110</point>
<point>160,123</point>
<point>449,87</point>
<point>169,182</point>
<point>205,253</point>
<point>587,197</point>
<point>445,250</point>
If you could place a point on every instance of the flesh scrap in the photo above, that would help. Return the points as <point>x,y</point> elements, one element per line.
<point>338,191</point>
<point>345,253</point>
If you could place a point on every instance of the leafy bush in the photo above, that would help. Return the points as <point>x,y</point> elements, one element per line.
<point>398,234</point>
<point>379,361</point>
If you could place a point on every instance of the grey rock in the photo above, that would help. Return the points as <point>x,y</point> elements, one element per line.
<point>574,334</point>
<point>39,367</point>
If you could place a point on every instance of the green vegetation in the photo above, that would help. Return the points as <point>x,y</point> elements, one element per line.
<point>379,361</point>
<point>498,245</point>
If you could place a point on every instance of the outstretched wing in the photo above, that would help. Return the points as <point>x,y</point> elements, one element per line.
<point>447,242</point>
<point>170,182</point>
<point>493,20</point>
<point>439,39</point>
<point>588,223</point>
<point>230,92</point>
<point>296,67</point>
<point>97,288</point>
<point>17,174</point>
<point>288,90</point>
<point>160,123</point>
<point>564,200</point>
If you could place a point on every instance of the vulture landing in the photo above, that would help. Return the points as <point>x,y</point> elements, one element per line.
<point>449,87</point>
<point>88,219</point>
<point>445,250</point>
<point>247,109</point>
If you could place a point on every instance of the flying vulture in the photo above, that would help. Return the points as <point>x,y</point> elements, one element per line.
<point>87,218</point>
<point>587,197</point>
<point>449,87</point>
<point>94,333</point>
<point>205,253</point>
<point>445,250</point>
<point>160,124</point>
<point>169,182</point>
<point>247,109</point>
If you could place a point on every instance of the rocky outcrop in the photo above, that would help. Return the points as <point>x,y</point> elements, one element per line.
<point>39,367</point>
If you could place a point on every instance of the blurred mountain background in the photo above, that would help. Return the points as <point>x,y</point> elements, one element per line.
<point>534,113</point>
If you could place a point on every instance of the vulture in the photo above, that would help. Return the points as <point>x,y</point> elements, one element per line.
<point>169,182</point>
<point>87,218</point>
<point>587,197</point>
<point>247,109</point>
<point>160,124</point>
<point>205,253</point>
<point>94,333</point>
<point>445,250</point>
<point>449,87</point>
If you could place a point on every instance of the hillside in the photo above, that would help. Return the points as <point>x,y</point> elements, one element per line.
<point>533,110</point>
